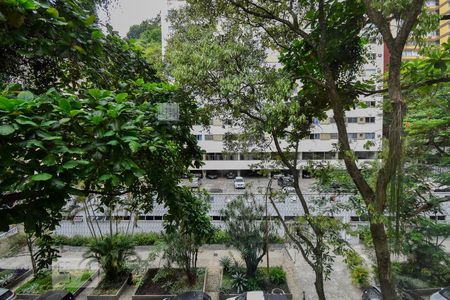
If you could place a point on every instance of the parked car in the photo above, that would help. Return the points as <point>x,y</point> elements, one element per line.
<point>212,175</point>
<point>288,190</point>
<point>253,295</point>
<point>56,295</point>
<point>442,189</point>
<point>6,294</point>
<point>239,183</point>
<point>285,181</point>
<point>196,182</point>
<point>443,294</point>
<point>230,175</point>
<point>374,293</point>
<point>194,295</point>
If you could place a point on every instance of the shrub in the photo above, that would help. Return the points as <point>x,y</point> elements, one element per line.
<point>146,239</point>
<point>239,282</point>
<point>225,262</point>
<point>360,276</point>
<point>277,275</point>
<point>220,237</point>
<point>111,253</point>
<point>352,259</point>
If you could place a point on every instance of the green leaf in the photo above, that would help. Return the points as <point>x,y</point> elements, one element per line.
<point>24,120</point>
<point>25,95</point>
<point>121,97</point>
<point>97,34</point>
<point>113,143</point>
<point>6,129</point>
<point>74,163</point>
<point>89,20</point>
<point>65,106</point>
<point>9,104</point>
<point>79,49</point>
<point>64,120</point>
<point>49,160</point>
<point>41,177</point>
<point>53,12</point>
<point>134,146</point>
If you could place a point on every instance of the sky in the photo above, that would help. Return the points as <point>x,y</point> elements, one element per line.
<point>125,13</point>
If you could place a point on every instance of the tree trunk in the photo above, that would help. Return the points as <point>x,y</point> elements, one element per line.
<point>381,246</point>
<point>30,249</point>
<point>319,285</point>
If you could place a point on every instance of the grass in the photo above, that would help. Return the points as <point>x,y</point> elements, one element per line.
<point>70,280</point>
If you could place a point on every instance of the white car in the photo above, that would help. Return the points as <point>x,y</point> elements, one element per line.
<point>196,182</point>
<point>254,295</point>
<point>239,183</point>
<point>443,294</point>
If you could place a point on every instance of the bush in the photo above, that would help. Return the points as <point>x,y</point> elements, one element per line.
<point>220,237</point>
<point>277,275</point>
<point>145,239</point>
<point>225,262</point>
<point>360,276</point>
<point>352,259</point>
<point>239,282</point>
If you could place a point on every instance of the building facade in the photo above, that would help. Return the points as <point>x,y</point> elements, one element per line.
<point>364,124</point>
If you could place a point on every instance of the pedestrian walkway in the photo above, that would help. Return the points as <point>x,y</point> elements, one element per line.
<point>213,282</point>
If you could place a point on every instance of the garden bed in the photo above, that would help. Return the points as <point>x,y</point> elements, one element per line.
<point>164,283</point>
<point>10,277</point>
<point>68,280</point>
<point>263,281</point>
<point>107,290</point>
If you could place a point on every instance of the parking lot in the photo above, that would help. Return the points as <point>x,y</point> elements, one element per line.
<point>253,184</point>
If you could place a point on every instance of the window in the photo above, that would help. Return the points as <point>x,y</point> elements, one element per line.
<point>316,121</point>
<point>437,218</point>
<point>365,154</point>
<point>370,119</point>
<point>370,135</point>
<point>214,156</point>
<point>371,103</point>
<point>410,53</point>
<point>307,155</point>
<point>352,120</point>
<point>199,137</point>
<point>334,136</point>
<point>371,56</point>
<point>314,136</point>
<point>352,136</point>
<point>209,137</point>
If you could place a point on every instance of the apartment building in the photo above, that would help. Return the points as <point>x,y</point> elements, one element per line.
<point>437,37</point>
<point>364,125</point>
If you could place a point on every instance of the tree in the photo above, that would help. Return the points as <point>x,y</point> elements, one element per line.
<point>245,225</point>
<point>58,44</point>
<point>148,40</point>
<point>56,146</point>
<point>111,253</point>
<point>321,59</point>
<point>187,232</point>
<point>224,66</point>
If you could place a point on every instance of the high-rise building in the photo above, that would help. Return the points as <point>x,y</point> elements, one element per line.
<point>364,124</point>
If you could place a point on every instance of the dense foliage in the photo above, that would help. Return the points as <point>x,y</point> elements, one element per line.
<point>111,253</point>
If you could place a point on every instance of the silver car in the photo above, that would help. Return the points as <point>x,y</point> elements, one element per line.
<point>6,294</point>
<point>443,294</point>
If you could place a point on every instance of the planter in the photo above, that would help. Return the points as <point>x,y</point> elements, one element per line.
<point>86,283</point>
<point>110,297</point>
<point>17,277</point>
<point>223,296</point>
<point>161,296</point>
<point>266,286</point>
<point>72,283</point>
